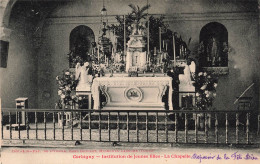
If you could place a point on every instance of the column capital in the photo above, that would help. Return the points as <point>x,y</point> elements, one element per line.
<point>5,34</point>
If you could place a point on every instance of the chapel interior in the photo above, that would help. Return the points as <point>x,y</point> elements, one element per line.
<point>42,38</point>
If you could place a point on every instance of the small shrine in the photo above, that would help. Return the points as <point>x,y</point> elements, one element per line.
<point>136,57</point>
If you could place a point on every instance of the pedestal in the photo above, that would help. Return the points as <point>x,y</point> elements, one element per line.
<point>86,94</point>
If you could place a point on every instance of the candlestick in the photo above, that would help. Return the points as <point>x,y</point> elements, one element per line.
<point>160,39</point>
<point>98,53</point>
<point>124,37</point>
<point>174,55</point>
<point>148,37</point>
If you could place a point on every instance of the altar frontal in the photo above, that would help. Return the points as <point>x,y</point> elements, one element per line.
<point>132,93</point>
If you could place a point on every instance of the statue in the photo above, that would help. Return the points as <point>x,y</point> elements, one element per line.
<point>212,50</point>
<point>84,75</point>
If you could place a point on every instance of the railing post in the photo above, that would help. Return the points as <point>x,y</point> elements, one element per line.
<point>137,130</point>
<point>44,120</point>
<point>89,125</point>
<point>127,126</point>
<point>108,122</point>
<point>27,125</point>
<point>99,124</point>
<point>226,128</point>
<point>247,127</point>
<point>186,130</point>
<point>196,128</point>
<point>71,125</point>
<point>19,125</point>
<point>157,135</point>
<point>53,119</point>
<point>36,125</point>
<point>237,128</point>
<point>80,121</point>
<point>118,126</point>
<point>216,127</point>
<point>166,126</point>
<point>146,124</point>
<point>206,128</point>
<point>10,125</point>
<point>176,128</point>
<point>62,125</point>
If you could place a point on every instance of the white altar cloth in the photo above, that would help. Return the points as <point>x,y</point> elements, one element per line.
<point>132,92</point>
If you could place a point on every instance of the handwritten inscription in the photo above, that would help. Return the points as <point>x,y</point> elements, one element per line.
<point>234,156</point>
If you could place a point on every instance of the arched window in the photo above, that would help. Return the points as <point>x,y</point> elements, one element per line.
<point>81,39</point>
<point>213,50</point>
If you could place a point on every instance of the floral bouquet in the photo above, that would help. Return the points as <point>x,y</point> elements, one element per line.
<point>66,91</point>
<point>205,84</point>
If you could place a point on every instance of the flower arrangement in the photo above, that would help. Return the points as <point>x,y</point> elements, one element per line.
<point>205,84</point>
<point>67,86</point>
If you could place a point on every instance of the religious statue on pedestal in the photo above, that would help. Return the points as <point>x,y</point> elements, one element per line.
<point>84,75</point>
<point>212,50</point>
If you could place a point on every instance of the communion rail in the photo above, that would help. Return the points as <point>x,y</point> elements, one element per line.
<point>139,126</point>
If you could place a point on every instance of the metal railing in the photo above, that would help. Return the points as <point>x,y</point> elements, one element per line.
<point>141,126</point>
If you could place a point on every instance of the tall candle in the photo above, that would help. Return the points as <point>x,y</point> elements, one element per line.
<point>148,37</point>
<point>98,53</point>
<point>154,50</point>
<point>163,43</point>
<point>124,37</point>
<point>180,52</point>
<point>174,55</point>
<point>160,39</point>
<point>166,46</point>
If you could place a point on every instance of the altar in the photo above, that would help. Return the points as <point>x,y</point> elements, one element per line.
<point>124,93</point>
<point>130,69</point>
